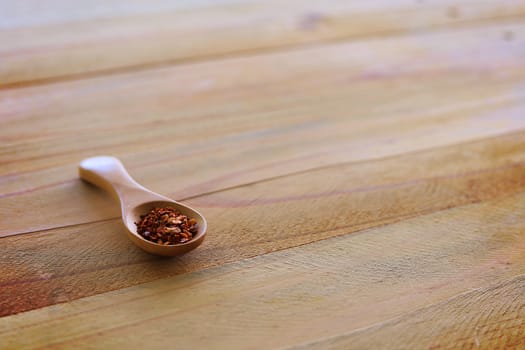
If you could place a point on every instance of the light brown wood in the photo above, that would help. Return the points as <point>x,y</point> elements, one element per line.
<point>485,318</point>
<point>318,291</point>
<point>52,39</point>
<point>361,166</point>
<point>330,104</point>
<point>259,218</point>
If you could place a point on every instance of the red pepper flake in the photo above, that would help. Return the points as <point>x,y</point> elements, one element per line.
<point>166,226</point>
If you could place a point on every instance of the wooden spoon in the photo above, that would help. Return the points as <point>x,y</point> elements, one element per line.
<point>109,173</point>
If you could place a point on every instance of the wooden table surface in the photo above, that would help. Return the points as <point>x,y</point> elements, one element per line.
<point>361,165</point>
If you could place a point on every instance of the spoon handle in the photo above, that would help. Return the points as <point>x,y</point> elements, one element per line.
<point>109,174</point>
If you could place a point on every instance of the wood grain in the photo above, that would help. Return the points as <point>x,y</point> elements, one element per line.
<point>52,39</point>
<point>259,218</point>
<point>361,166</point>
<point>486,318</point>
<point>320,290</point>
<point>336,103</point>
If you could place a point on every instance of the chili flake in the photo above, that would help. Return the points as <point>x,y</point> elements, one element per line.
<point>166,226</point>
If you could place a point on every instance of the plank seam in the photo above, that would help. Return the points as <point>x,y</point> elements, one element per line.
<point>445,27</point>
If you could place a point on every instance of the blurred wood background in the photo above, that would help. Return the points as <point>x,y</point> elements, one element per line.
<point>361,165</point>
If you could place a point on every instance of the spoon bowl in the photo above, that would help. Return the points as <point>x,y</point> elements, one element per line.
<point>109,174</point>
<point>134,214</point>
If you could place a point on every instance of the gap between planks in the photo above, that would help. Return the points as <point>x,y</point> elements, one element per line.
<point>517,133</point>
<point>257,51</point>
<point>296,23</point>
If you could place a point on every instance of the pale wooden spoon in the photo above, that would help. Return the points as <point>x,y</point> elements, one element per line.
<point>109,173</point>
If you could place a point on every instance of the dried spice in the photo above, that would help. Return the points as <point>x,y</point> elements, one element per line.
<point>166,226</point>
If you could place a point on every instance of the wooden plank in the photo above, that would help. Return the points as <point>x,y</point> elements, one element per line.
<point>160,99</point>
<point>182,130</point>
<point>486,318</point>
<point>53,39</point>
<point>319,290</point>
<point>356,190</point>
<point>59,265</point>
